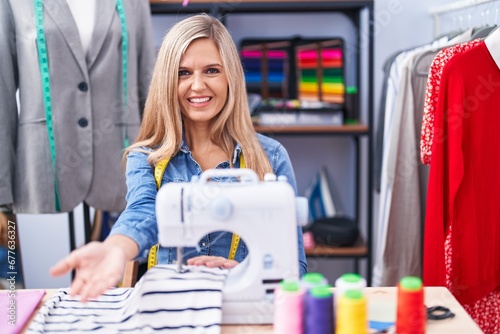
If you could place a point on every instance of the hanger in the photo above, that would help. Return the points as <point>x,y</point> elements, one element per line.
<point>416,68</point>
<point>482,32</point>
<point>452,34</point>
<point>449,35</point>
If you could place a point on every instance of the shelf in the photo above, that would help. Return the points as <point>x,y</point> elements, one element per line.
<point>359,249</point>
<point>241,6</point>
<point>354,10</point>
<point>355,129</point>
<point>179,2</point>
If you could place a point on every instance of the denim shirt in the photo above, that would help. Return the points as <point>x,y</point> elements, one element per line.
<point>138,220</point>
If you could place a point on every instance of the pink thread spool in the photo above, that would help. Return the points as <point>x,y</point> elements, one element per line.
<point>288,308</point>
<point>411,312</point>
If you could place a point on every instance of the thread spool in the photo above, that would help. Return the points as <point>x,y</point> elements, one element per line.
<point>310,280</point>
<point>352,312</point>
<point>318,311</point>
<point>288,306</point>
<point>411,312</point>
<point>349,281</point>
<point>351,105</point>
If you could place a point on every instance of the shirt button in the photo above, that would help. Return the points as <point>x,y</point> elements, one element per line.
<point>83,86</point>
<point>203,244</point>
<point>83,122</point>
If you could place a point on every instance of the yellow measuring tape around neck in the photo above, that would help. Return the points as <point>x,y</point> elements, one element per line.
<point>153,252</point>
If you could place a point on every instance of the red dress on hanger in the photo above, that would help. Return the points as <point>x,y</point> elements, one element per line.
<point>462,225</point>
<point>432,95</point>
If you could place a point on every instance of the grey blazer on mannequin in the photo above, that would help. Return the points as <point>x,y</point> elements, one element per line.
<point>87,99</point>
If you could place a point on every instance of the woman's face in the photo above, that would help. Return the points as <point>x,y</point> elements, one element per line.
<point>203,86</point>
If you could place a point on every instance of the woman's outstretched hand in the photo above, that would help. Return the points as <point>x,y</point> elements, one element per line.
<point>212,262</point>
<point>98,265</point>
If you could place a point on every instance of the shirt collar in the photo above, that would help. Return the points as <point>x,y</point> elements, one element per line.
<point>493,44</point>
<point>185,149</point>
<point>236,154</point>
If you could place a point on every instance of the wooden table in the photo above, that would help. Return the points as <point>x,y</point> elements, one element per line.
<point>383,298</point>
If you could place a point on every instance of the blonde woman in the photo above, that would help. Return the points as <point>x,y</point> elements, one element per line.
<point>197,117</point>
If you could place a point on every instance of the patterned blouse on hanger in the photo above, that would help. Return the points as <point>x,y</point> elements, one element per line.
<point>432,93</point>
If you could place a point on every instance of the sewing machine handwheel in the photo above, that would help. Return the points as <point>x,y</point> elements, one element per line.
<point>221,208</point>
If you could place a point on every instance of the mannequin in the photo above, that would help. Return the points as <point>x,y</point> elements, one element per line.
<point>93,115</point>
<point>493,45</point>
<point>84,15</point>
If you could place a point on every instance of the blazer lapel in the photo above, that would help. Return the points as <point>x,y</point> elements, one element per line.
<point>104,16</point>
<point>59,11</point>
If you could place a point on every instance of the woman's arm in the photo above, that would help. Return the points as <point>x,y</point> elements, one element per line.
<point>138,220</point>
<point>99,265</point>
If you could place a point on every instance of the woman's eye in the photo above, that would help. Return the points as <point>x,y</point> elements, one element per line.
<point>183,73</point>
<point>213,71</point>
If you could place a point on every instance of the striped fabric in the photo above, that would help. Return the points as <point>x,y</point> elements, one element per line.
<point>162,301</point>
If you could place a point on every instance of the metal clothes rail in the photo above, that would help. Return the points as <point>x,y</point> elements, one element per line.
<point>453,7</point>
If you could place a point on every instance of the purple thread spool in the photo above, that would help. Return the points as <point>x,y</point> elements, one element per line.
<point>318,312</point>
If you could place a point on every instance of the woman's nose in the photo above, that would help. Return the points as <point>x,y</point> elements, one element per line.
<point>198,83</point>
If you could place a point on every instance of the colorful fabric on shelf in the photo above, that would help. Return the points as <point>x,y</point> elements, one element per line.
<point>275,65</point>
<point>320,74</point>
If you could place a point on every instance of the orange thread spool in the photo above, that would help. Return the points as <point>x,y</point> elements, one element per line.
<point>411,312</point>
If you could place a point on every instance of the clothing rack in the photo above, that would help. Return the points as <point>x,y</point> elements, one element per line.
<point>453,7</point>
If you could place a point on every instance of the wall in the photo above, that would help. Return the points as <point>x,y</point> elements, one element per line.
<point>398,24</point>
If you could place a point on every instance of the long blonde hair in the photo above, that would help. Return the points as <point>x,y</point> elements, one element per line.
<point>161,128</point>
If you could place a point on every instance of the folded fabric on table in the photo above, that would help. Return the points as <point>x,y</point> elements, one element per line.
<point>163,300</point>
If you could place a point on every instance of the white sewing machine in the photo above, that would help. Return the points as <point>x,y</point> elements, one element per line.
<point>264,214</point>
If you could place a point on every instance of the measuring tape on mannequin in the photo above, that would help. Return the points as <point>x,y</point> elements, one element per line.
<point>120,9</point>
<point>43,59</point>
<point>153,252</point>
